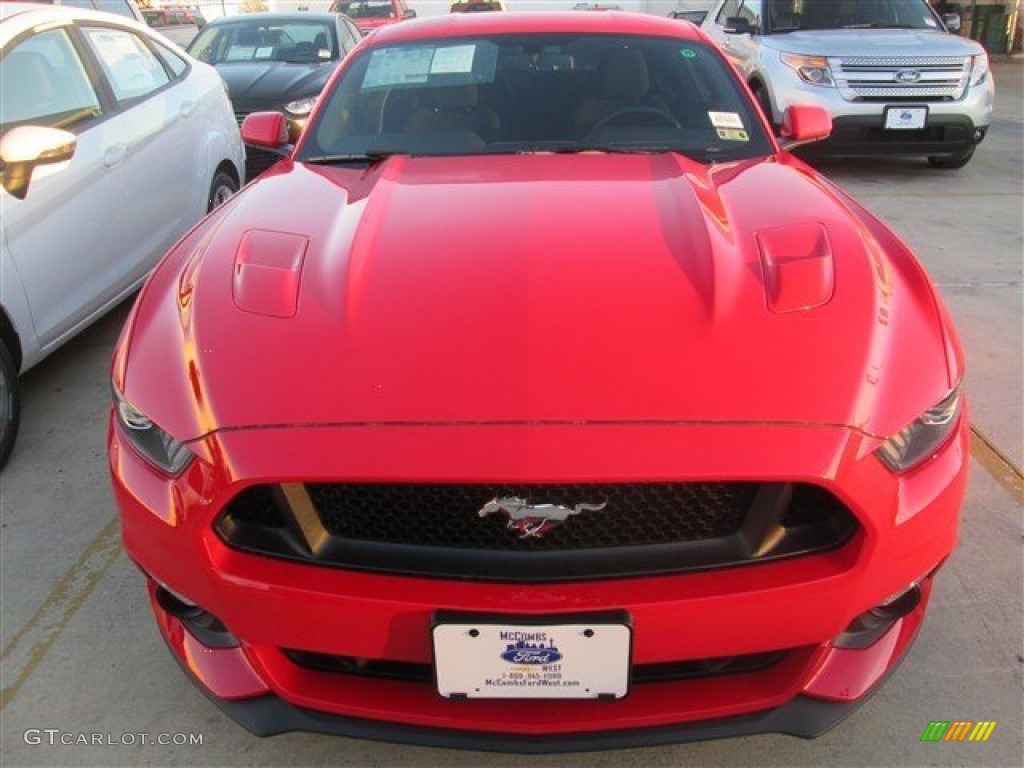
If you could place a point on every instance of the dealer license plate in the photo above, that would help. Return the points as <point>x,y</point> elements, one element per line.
<point>516,661</point>
<point>905,118</point>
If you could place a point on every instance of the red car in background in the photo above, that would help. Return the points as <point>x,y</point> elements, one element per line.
<point>665,441</point>
<point>373,14</point>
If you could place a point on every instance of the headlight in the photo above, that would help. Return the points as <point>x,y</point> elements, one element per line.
<point>812,69</point>
<point>922,438</point>
<point>300,107</point>
<point>979,69</point>
<point>152,443</point>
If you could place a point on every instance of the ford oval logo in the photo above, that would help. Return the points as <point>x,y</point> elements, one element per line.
<point>908,76</point>
<point>531,653</point>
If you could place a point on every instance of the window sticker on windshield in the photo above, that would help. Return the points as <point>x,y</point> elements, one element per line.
<point>930,22</point>
<point>725,120</point>
<point>732,134</point>
<point>464,63</point>
<point>453,59</point>
<point>398,66</point>
<point>688,53</point>
<point>264,52</point>
<point>240,53</point>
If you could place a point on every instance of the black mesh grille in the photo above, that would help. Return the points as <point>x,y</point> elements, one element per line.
<point>256,505</point>
<point>435,515</point>
<point>257,161</point>
<point>436,530</point>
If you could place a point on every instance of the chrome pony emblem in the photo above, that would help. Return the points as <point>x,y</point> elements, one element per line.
<point>534,520</point>
<point>907,76</point>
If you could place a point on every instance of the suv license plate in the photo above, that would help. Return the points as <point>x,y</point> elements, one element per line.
<point>905,118</point>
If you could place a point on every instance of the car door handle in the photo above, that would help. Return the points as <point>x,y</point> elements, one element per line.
<point>115,155</point>
<point>186,108</point>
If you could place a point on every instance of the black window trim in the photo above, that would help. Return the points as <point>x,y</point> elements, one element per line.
<point>116,106</point>
<point>68,27</point>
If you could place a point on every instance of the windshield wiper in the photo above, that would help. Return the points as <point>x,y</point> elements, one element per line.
<point>354,158</point>
<point>877,25</point>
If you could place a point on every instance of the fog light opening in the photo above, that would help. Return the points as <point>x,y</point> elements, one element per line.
<point>204,626</point>
<point>900,604</point>
<point>871,625</point>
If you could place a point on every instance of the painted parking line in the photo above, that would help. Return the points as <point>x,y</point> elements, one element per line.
<point>28,647</point>
<point>997,464</point>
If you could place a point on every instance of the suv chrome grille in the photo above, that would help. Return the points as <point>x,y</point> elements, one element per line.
<point>878,79</point>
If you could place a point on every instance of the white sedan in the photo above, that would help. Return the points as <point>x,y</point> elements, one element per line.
<point>113,143</point>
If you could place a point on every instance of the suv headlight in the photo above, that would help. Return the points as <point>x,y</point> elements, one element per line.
<point>812,69</point>
<point>152,443</point>
<point>979,69</point>
<point>919,440</point>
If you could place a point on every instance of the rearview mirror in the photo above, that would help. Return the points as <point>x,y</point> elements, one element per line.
<point>409,13</point>
<point>804,123</point>
<point>24,148</point>
<point>952,21</point>
<point>737,25</point>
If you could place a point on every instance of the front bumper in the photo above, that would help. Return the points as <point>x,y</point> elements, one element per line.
<point>865,136</point>
<point>799,605</point>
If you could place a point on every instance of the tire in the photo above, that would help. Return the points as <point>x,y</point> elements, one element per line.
<point>954,162</point>
<point>10,404</point>
<point>222,187</point>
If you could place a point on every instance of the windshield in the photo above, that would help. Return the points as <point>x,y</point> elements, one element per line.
<point>794,15</point>
<point>292,41</point>
<point>368,9</point>
<point>537,93</point>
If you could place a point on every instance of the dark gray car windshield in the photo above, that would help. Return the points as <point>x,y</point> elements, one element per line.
<point>537,93</point>
<point>795,15</point>
<point>259,39</point>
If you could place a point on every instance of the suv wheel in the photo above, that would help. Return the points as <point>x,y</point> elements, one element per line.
<point>956,161</point>
<point>10,403</point>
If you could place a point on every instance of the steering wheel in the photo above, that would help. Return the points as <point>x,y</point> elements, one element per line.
<point>637,110</point>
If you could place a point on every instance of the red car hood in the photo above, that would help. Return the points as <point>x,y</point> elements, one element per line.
<point>586,288</point>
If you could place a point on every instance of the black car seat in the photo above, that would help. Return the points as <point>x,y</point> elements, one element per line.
<point>625,82</point>
<point>454,108</point>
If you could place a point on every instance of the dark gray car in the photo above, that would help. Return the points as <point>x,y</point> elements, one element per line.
<point>275,61</point>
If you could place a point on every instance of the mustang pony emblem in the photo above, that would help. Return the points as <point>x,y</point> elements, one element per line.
<point>534,520</point>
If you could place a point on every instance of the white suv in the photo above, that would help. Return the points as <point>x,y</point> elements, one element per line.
<point>892,77</point>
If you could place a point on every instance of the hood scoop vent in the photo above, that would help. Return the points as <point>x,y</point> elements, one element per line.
<point>268,266</point>
<point>796,261</point>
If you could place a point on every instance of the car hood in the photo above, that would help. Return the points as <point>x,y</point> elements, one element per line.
<point>538,289</point>
<point>253,85</point>
<point>866,43</point>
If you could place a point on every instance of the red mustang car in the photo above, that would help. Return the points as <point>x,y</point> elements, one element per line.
<point>539,400</point>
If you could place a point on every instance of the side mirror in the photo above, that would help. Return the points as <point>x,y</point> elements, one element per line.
<point>803,123</point>
<point>408,13</point>
<point>737,25</point>
<point>267,130</point>
<point>952,21</point>
<point>28,146</point>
